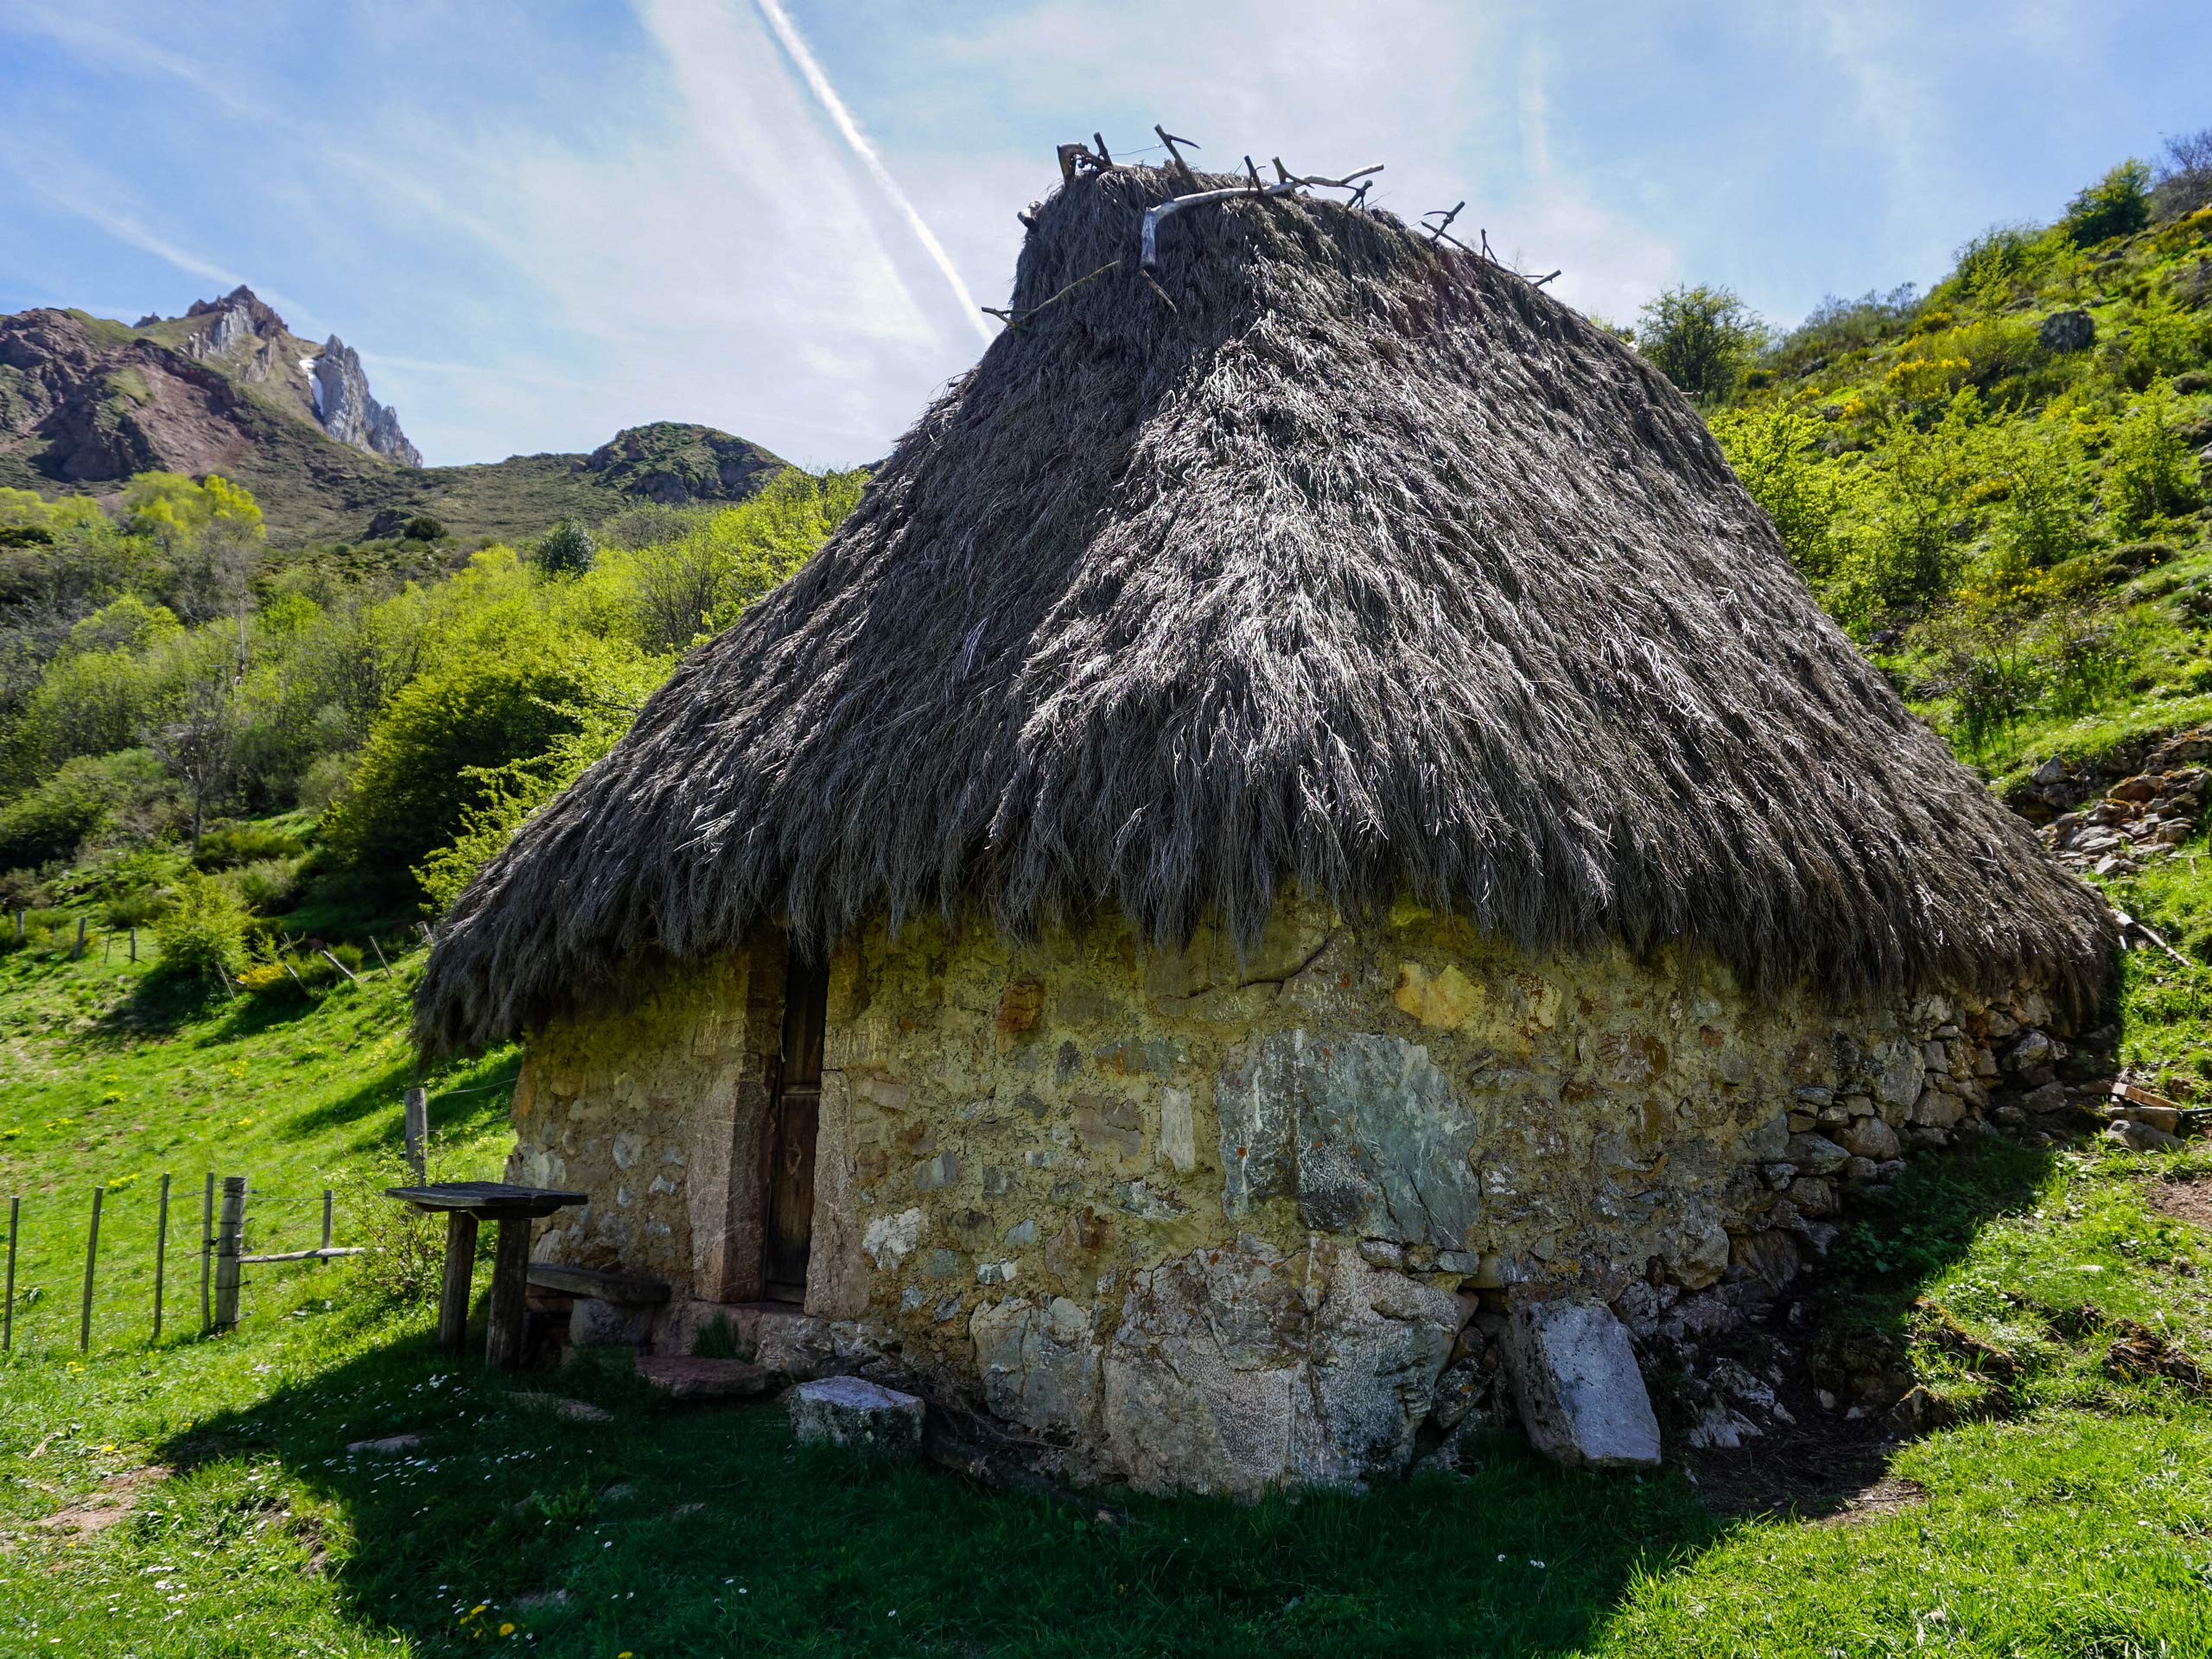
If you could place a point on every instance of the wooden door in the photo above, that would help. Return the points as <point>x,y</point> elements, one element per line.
<point>797,1111</point>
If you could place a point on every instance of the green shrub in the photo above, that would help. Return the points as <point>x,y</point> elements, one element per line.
<point>423,528</point>
<point>567,549</point>
<point>2149,471</point>
<point>1776,451</point>
<point>203,930</point>
<point>2118,203</point>
<point>426,761</point>
<point>268,886</point>
<point>86,795</point>
<point>229,845</point>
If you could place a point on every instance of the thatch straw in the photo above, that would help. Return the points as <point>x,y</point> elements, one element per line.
<point>1366,566</point>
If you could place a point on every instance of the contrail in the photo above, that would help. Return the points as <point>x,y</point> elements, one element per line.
<point>818,83</point>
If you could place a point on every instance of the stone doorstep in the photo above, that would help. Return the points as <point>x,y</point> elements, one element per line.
<point>690,1376</point>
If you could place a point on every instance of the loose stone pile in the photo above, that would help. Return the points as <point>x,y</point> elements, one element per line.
<point>2140,819</point>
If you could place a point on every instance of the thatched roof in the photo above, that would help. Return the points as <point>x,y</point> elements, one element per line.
<point>1368,566</point>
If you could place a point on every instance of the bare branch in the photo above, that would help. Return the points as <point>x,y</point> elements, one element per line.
<point>1015,319</point>
<point>1154,216</point>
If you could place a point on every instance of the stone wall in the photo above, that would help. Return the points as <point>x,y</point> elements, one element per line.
<point>1216,1224</point>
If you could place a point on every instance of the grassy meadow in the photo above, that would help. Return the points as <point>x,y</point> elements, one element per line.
<point>197,1496</point>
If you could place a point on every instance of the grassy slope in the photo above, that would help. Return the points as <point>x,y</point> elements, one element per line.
<point>2162,611</point>
<point>2068,1513</point>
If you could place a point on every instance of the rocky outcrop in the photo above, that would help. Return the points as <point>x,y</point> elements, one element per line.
<point>2140,818</point>
<point>349,414</point>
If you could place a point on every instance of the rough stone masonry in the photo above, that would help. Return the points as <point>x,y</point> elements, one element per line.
<point>1217,1224</point>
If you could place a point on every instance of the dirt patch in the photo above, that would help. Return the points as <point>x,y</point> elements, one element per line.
<point>1885,1497</point>
<point>2185,1200</point>
<point>1833,1470</point>
<point>111,1501</point>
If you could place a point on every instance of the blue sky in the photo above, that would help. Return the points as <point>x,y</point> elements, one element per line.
<point>538,223</point>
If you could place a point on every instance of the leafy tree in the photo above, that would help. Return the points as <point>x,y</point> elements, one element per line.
<point>1907,551</point>
<point>1700,338</point>
<point>2151,471</point>
<point>423,528</point>
<point>567,549</point>
<point>430,755</point>
<point>2040,519</point>
<point>2118,203</point>
<point>1776,451</point>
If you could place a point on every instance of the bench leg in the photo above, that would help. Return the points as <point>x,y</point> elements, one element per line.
<point>509,1291</point>
<point>453,1294</point>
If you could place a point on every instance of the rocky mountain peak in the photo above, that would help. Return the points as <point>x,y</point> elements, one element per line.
<point>349,414</point>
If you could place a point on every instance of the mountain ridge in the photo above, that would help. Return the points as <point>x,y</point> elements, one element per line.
<point>86,402</point>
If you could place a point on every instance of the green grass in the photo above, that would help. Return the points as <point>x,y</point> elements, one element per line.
<point>2067,1508</point>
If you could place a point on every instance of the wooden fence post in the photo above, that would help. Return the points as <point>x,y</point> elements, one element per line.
<point>161,1256</point>
<point>417,1131</point>
<point>329,1199</point>
<point>206,1248</point>
<point>77,950</point>
<point>134,944</point>
<point>8,1308</point>
<point>19,927</point>
<point>91,1256</point>
<point>230,1231</point>
<point>381,962</point>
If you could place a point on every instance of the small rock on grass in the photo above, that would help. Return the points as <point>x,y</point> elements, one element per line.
<point>2140,1137</point>
<point>576,1411</point>
<point>854,1412</point>
<point>390,1445</point>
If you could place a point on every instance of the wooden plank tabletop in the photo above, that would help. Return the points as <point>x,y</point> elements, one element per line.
<point>488,1200</point>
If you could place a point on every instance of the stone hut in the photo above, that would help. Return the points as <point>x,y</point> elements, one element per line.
<point>1305,804</point>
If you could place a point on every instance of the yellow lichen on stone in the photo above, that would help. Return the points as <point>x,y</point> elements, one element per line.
<point>1447,1001</point>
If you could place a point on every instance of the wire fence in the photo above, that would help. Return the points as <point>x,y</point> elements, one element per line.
<point>226,1207</point>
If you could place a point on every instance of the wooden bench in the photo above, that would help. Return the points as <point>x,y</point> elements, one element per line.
<point>629,1288</point>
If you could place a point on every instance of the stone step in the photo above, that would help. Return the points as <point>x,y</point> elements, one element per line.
<point>686,1376</point>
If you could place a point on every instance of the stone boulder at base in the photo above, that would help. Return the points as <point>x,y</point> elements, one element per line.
<point>1582,1399</point>
<point>854,1412</point>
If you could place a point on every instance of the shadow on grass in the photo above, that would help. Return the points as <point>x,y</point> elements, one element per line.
<point>462,1104</point>
<point>1848,1331</point>
<point>682,1530</point>
<point>688,1529</point>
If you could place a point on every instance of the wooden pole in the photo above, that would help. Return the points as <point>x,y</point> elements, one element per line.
<point>134,944</point>
<point>229,1232</point>
<point>160,1255</point>
<point>19,927</point>
<point>77,950</point>
<point>8,1308</point>
<point>509,1290</point>
<point>352,977</point>
<point>460,1266</point>
<point>92,1257</point>
<point>381,962</point>
<point>329,1199</point>
<point>206,1247</point>
<point>416,1128</point>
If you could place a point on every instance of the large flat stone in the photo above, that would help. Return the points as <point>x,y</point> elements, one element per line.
<point>854,1412</point>
<point>686,1376</point>
<point>1363,1130</point>
<point>1582,1399</point>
